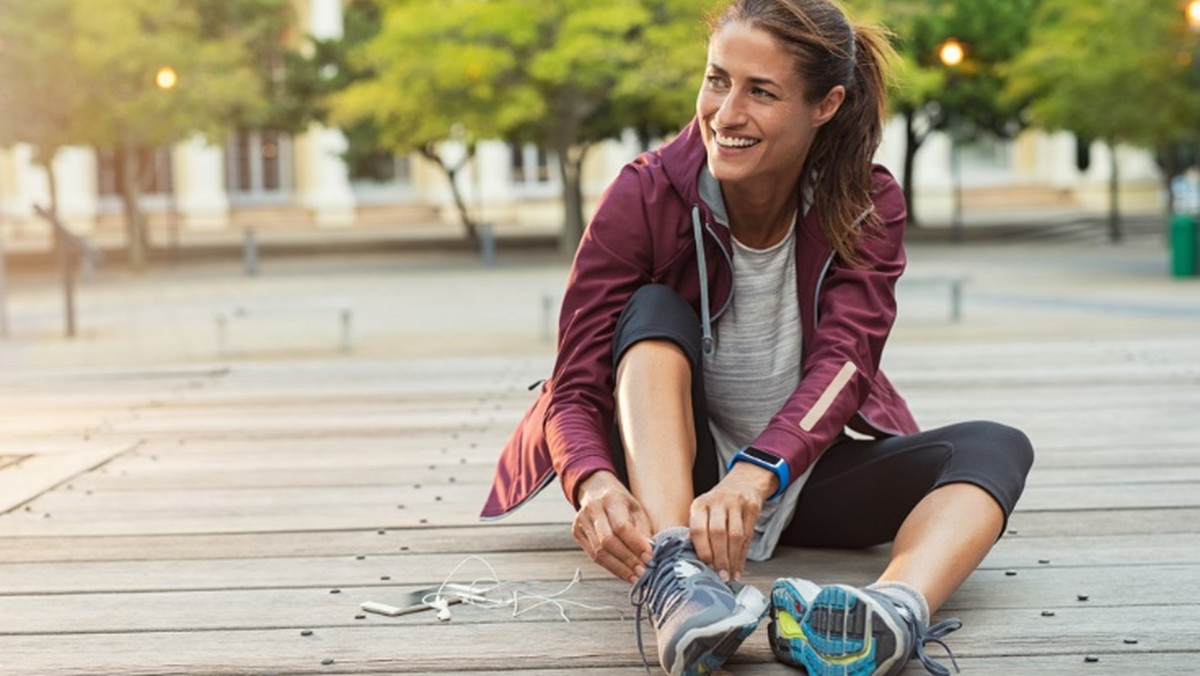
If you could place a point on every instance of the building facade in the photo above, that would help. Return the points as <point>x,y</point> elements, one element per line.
<point>261,179</point>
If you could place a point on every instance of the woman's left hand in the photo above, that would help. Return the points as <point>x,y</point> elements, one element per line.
<point>722,520</point>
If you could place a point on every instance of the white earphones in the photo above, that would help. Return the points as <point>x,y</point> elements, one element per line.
<point>443,608</point>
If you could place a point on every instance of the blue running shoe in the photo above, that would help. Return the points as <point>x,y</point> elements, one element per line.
<point>791,597</point>
<point>700,621</point>
<point>856,632</point>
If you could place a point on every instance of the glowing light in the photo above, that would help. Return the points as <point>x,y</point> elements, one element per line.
<point>1193,14</point>
<point>166,77</point>
<point>952,51</point>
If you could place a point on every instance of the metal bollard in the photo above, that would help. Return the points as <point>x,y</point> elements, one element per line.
<point>250,253</point>
<point>346,317</point>
<point>487,244</point>
<point>547,317</point>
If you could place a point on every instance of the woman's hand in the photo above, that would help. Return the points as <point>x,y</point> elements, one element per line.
<point>612,527</point>
<point>723,519</point>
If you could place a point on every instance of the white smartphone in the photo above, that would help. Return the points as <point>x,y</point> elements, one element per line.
<point>414,601</point>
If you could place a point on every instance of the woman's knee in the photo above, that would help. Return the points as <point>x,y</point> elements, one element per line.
<point>657,313</point>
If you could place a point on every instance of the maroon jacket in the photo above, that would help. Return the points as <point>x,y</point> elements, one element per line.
<point>642,233</point>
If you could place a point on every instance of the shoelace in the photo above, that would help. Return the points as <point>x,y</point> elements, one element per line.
<point>933,634</point>
<point>658,586</point>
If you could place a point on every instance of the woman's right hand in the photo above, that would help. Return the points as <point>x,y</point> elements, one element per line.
<point>611,526</point>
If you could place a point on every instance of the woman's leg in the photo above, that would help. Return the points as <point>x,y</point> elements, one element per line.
<point>942,497</point>
<point>943,540</point>
<point>663,450</point>
<point>661,444</point>
<point>654,416</point>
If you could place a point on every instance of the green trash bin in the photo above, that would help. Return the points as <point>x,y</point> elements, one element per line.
<point>1184,245</point>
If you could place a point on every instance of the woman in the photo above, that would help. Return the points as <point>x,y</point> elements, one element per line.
<point>722,327</point>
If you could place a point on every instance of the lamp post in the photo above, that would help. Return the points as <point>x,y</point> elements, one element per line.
<point>951,53</point>
<point>165,79</point>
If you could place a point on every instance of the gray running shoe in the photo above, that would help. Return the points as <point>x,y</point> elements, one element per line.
<point>700,621</point>
<point>846,631</point>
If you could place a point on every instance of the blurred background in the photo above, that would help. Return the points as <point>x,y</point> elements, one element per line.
<point>138,134</point>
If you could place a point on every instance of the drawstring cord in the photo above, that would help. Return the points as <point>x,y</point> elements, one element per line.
<point>707,343</point>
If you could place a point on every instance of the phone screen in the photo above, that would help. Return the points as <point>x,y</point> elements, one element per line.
<point>414,601</point>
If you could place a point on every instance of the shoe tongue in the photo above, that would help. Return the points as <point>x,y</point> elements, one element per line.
<point>674,533</point>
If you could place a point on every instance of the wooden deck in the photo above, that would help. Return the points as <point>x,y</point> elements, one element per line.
<point>230,520</point>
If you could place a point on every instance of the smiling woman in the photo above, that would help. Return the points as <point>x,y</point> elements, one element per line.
<point>722,328</point>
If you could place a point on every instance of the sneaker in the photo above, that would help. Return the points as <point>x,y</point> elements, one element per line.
<point>852,632</point>
<point>791,597</point>
<point>700,621</point>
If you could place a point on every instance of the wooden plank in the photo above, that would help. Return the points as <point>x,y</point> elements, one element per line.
<point>1076,538</point>
<point>1033,591</point>
<point>479,539</point>
<point>324,507</point>
<point>1108,521</point>
<point>378,647</point>
<point>239,471</point>
<point>32,476</point>
<point>824,566</point>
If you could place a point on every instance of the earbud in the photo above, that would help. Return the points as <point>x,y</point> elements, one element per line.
<point>443,609</point>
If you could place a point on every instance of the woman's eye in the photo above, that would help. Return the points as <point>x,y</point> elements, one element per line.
<point>762,93</point>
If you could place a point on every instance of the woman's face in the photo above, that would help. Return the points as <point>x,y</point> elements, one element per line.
<point>753,115</point>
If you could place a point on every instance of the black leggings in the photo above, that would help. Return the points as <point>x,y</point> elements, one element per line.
<point>860,491</point>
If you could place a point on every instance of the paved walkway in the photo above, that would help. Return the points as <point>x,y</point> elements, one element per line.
<point>168,510</point>
<point>430,304</point>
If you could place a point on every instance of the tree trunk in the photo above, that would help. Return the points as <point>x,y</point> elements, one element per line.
<point>469,226</point>
<point>47,163</point>
<point>570,168</point>
<point>130,199</point>
<point>912,143</point>
<point>1114,184</point>
<point>1168,161</point>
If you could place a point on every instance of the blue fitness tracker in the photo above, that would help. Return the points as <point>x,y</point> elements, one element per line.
<point>767,461</point>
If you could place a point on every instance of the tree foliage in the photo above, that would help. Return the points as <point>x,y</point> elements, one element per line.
<point>1111,70</point>
<point>83,72</point>
<point>563,75</point>
<point>930,96</point>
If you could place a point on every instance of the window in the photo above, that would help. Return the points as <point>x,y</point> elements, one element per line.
<point>381,178</point>
<point>153,171</point>
<point>258,167</point>
<point>533,173</point>
<point>530,165</point>
<point>381,168</point>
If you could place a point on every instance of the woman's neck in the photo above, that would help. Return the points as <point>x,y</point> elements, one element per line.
<point>760,218</point>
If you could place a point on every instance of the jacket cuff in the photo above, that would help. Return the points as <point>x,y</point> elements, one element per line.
<point>577,470</point>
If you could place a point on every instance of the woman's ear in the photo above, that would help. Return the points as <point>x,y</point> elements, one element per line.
<point>828,106</point>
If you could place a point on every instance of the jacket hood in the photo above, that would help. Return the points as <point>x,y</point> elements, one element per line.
<point>681,160</point>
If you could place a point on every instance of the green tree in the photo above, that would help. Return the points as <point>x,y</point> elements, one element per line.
<point>41,90</point>
<point>86,73</point>
<point>1114,71</point>
<point>564,75</point>
<point>968,100</point>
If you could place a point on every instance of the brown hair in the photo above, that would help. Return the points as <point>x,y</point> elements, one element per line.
<point>830,51</point>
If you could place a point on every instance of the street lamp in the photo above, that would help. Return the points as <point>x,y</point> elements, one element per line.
<point>166,78</point>
<point>952,53</point>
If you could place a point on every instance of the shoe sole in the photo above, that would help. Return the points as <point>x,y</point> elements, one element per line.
<point>703,650</point>
<point>790,600</point>
<point>848,633</point>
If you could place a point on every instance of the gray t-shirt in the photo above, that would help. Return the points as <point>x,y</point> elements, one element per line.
<point>756,364</point>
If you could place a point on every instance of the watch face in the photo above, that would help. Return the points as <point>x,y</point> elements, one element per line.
<point>762,455</point>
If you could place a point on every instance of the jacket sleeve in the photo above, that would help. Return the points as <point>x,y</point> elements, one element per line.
<point>856,308</point>
<point>613,260</point>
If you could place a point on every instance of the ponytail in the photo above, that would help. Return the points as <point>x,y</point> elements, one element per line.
<point>841,159</point>
<point>830,52</point>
